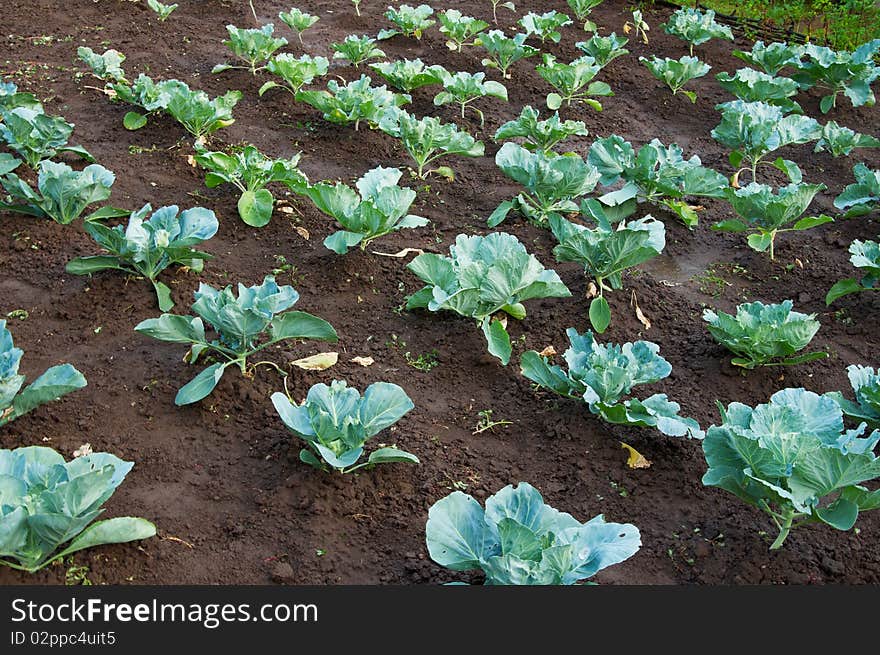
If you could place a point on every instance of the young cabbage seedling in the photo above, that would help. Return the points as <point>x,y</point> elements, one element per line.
<point>604,49</point>
<point>865,256</point>
<point>299,21</point>
<point>15,402</point>
<point>354,102</point>
<point>793,459</point>
<point>865,383</point>
<point>540,135</point>
<point>551,183</point>
<point>162,11</point>
<point>750,85</point>
<point>752,130</point>
<point>409,21</point>
<point>696,27</point>
<point>765,214</point>
<point>505,51</point>
<point>863,196</point>
<point>460,30</point>
<point>520,540</point>
<point>408,75</point>
<point>147,247</point>
<point>485,278</point>
<point>357,49</point>
<point>573,82</point>
<point>839,72</point>
<point>427,140</point>
<point>765,335</point>
<point>251,171</point>
<point>544,26</point>
<point>657,174</point>
<point>582,10</point>
<point>35,136</point>
<point>336,422</point>
<point>606,251</point>
<point>637,25</point>
<point>295,72</point>
<point>771,58</point>
<point>48,502</point>
<point>464,88</point>
<point>106,67</point>
<point>252,46</point>
<point>841,141</point>
<point>62,193</point>
<point>675,73</point>
<point>602,374</point>
<point>378,207</point>
<point>241,324</point>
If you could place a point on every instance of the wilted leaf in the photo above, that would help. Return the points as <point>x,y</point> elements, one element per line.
<point>363,361</point>
<point>319,362</point>
<point>82,451</point>
<point>635,460</point>
<point>549,351</point>
<point>303,232</point>
<point>639,314</point>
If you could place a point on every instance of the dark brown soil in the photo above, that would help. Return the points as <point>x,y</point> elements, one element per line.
<point>221,479</point>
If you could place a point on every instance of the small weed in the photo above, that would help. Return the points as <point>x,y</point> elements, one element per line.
<point>485,422</point>
<point>20,314</point>
<point>76,575</point>
<point>424,362</point>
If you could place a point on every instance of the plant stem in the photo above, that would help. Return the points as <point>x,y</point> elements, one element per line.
<point>784,529</point>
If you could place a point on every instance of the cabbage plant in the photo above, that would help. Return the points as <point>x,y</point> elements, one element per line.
<point>865,256</point>
<point>582,10</point>
<point>353,102</point>
<point>378,207</point>
<point>840,73</point>
<point>427,140</point>
<point>460,30</point>
<point>336,422</point>
<point>244,325</point>
<point>793,459</point>
<point>484,278</point>
<point>604,49</point>
<point>863,196</point>
<point>48,502</point>
<point>675,73</point>
<point>197,112</point>
<point>161,10</point>
<point>865,383</point>
<point>573,82</point>
<point>520,540</point>
<point>357,49</point>
<point>15,402</point>
<point>250,171</point>
<point>35,136</point>
<point>771,58</point>
<point>750,85</point>
<point>606,251</point>
<point>464,88</point>
<point>408,21</point>
<point>764,213</point>
<point>551,183</point>
<point>409,74</point>
<point>62,193</point>
<point>106,66</point>
<point>696,27</point>
<point>764,335</point>
<point>298,20</point>
<point>295,72</point>
<point>504,51</point>
<point>148,246</point>
<point>753,130</point>
<point>603,374</point>
<point>252,46</point>
<point>540,135</point>
<point>841,141</point>
<point>11,97</point>
<point>656,173</point>
<point>544,26</point>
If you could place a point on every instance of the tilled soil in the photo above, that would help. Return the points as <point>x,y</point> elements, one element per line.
<point>221,479</point>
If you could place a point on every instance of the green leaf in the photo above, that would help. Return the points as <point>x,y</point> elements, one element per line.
<point>803,359</point>
<point>173,328</point>
<point>201,385</point>
<point>89,265</point>
<point>382,405</point>
<point>163,296</point>
<point>388,455</point>
<point>300,325</point>
<point>119,530</point>
<point>843,288</point>
<point>497,339</point>
<point>308,457</point>
<point>600,314</point>
<point>690,95</point>
<point>57,381</point>
<point>811,221</point>
<point>134,121</point>
<point>255,207</point>
<point>554,101</point>
<point>731,225</point>
<point>760,242</point>
<point>456,534</point>
<point>841,514</point>
<point>826,104</point>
